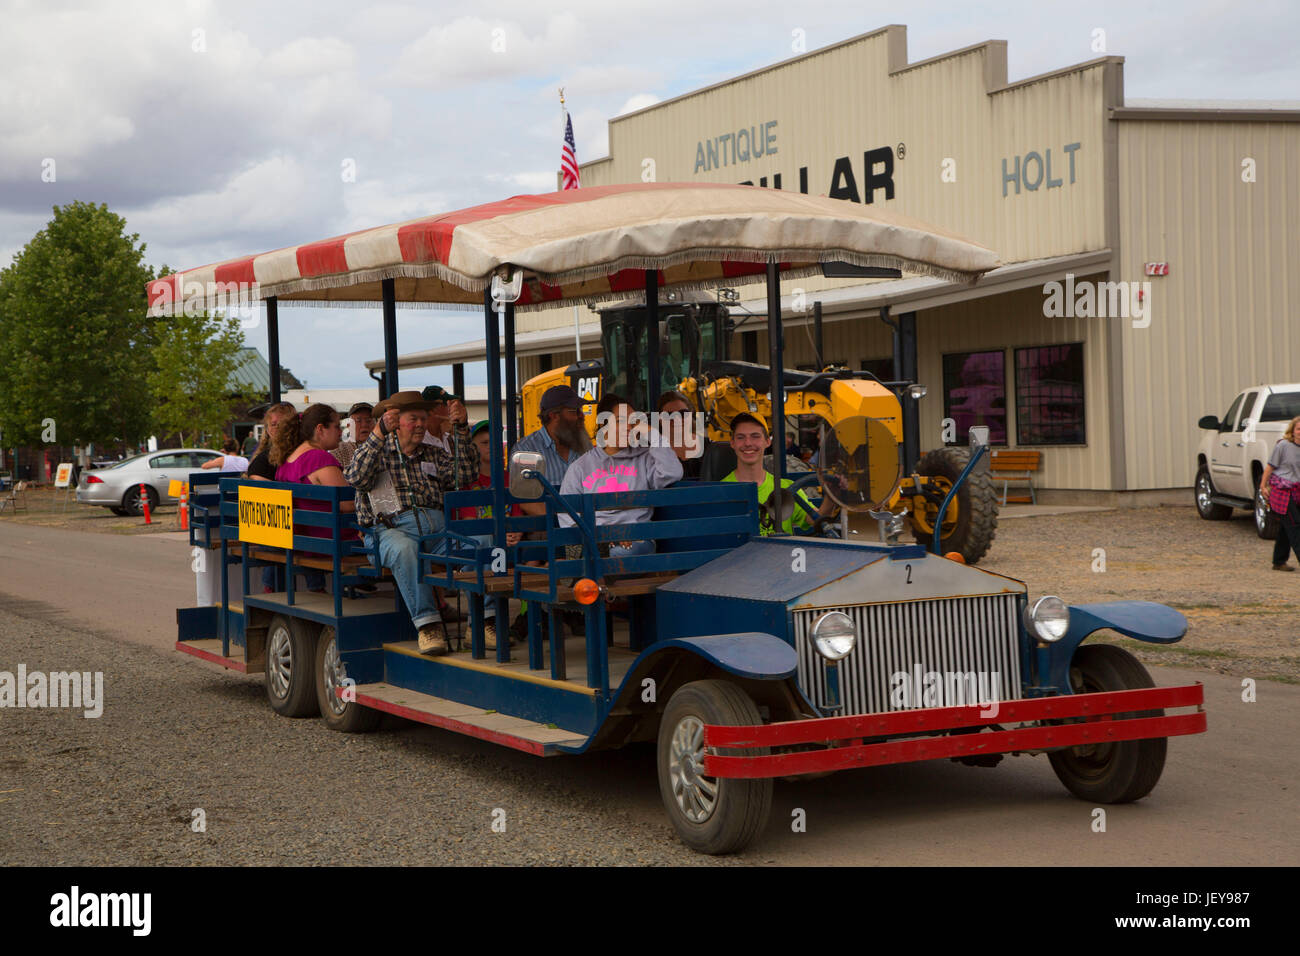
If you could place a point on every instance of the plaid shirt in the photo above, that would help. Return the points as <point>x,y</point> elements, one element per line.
<point>380,453</point>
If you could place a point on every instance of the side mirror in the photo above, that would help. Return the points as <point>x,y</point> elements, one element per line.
<point>530,489</point>
<point>1208,421</point>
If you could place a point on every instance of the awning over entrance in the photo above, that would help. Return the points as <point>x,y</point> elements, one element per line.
<point>587,245</point>
<point>909,294</point>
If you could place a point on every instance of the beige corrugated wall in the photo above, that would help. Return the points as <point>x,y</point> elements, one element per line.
<point>1228,314</point>
<point>843,101</point>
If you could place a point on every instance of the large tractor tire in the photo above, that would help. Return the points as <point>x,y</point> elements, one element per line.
<point>972,529</point>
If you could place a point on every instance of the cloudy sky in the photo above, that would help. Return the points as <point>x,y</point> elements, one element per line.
<point>219,129</point>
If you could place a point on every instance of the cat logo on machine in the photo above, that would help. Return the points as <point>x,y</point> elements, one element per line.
<point>588,388</point>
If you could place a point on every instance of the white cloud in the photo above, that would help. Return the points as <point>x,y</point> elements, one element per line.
<point>311,55</point>
<point>477,49</point>
<point>638,102</point>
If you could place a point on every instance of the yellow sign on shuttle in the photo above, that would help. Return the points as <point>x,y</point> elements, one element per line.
<point>266,516</point>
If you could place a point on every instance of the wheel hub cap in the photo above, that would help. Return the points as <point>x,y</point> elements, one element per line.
<point>334,676</point>
<point>696,794</point>
<point>279,661</point>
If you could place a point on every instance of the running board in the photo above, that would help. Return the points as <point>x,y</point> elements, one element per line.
<point>210,650</point>
<point>515,732</point>
<point>1247,504</point>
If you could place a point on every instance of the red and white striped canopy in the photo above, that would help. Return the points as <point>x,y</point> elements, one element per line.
<point>586,245</point>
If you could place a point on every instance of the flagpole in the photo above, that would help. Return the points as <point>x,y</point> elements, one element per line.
<point>564,124</point>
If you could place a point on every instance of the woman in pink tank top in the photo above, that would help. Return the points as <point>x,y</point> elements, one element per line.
<point>319,431</point>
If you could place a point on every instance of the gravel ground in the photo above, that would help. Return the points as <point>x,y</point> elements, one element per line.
<point>176,735</point>
<point>1244,617</point>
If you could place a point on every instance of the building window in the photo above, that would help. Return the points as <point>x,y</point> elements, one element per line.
<point>975,393</point>
<point>1049,395</point>
<point>882,368</point>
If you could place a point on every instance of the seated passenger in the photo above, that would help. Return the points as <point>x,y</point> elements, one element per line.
<point>317,433</point>
<point>750,441</point>
<point>363,423</point>
<point>414,506</point>
<point>629,456</point>
<point>677,425</point>
<point>480,435</point>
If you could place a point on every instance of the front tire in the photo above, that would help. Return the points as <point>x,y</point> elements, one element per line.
<point>1116,772</point>
<point>1204,506</point>
<point>713,816</point>
<point>290,655</point>
<point>347,717</point>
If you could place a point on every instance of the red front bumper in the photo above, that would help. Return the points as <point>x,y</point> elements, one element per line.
<point>842,739</point>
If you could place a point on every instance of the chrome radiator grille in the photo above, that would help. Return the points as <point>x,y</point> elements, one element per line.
<point>952,636</point>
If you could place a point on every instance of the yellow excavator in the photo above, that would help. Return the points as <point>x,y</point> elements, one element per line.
<point>862,415</point>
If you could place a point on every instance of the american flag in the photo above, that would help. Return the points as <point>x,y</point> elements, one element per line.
<point>568,157</point>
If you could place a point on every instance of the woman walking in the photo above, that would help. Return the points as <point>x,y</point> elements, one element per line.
<point>1281,481</point>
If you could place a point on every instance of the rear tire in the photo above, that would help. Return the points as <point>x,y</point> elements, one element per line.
<point>1204,506</point>
<point>347,717</point>
<point>977,506</point>
<point>713,816</point>
<point>290,656</point>
<point>1267,521</point>
<point>1118,772</point>
<point>131,500</point>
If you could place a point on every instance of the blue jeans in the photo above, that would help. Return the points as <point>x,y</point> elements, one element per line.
<point>635,549</point>
<point>398,549</point>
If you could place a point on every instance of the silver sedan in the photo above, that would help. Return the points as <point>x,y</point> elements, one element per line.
<point>117,487</point>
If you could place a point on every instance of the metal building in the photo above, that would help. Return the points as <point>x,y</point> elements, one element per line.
<point>1151,259</point>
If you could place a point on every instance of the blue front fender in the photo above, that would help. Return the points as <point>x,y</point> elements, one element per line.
<point>1140,620</point>
<point>748,654</point>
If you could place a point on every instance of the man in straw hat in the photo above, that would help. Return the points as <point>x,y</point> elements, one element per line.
<point>402,502</point>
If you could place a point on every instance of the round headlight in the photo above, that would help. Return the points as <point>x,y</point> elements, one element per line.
<point>834,635</point>
<point>1047,619</point>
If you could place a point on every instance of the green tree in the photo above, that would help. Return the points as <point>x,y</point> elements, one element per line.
<point>75,340</point>
<point>190,383</point>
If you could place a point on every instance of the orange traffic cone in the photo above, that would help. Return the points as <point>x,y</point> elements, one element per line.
<point>144,504</point>
<point>185,507</point>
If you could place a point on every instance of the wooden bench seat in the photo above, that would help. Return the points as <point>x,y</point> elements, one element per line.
<point>319,562</point>
<point>1008,465</point>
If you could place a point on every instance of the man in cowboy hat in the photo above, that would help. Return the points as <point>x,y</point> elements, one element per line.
<point>395,517</point>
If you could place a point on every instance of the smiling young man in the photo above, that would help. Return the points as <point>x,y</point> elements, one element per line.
<point>750,441</point>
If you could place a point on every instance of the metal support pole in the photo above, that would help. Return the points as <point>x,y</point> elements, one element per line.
<point>273,346</point>
<point>512,412</point>
<point>652,340</point>
<point>817,335</point>
<point>390,336</point>
<point>777,360</point>
<point>911,409</point>
<point>492,334</point>
<point>458,379</point>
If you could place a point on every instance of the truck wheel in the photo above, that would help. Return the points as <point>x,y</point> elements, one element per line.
<point>290,651</point>
<point>1267,521</point>
<point>1118,772</point>
<point>710,815</point>
<point>972,529</point>
<point>348,717</point>
<point>1204,506</point>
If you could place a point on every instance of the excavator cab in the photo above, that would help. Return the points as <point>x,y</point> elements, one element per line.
<point>691,333</point>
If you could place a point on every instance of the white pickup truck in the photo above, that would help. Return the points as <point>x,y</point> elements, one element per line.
<point>1235,449</point>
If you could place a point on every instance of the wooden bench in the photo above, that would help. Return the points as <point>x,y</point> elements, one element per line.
<point>304,559</point>
<point>1008,465</point>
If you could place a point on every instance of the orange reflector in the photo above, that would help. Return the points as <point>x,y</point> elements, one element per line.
<point>585,591</point>
<point>955,556</point>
